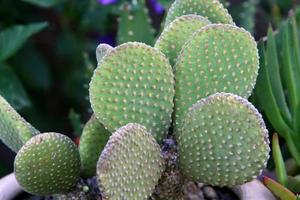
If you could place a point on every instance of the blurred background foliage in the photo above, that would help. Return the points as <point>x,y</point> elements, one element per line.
<point>47,51</point>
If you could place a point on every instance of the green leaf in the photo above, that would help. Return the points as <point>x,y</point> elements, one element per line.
<point>44,3</point>
<point>272,66</point>
<point>297,119</point>
<point>266,97</point>
<point>278,190</point>
<point>288,67</point>
<point>12,39</point>
<point>32,68</point>
<point>279,162</point>
<point>12,89</point>
<point>294,184</point>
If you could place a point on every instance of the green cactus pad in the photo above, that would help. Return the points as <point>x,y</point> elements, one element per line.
<point>217,58</point>
<point>14,130</point>
<point>92,142</point>
<point>176,34</point>
<point>47,164</point>
<point>223,142</point>
<point>133,83</point>
<point>135,23</point>
<point>102,50</point>
<point>130,165</point>
<point>213,10</point>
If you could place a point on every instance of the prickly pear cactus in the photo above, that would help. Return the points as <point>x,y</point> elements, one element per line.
<point>48,163</point>
<point>223,141</point>
<point>133,83</point>
<point>217,58</point>
<point>14,130</point>
<point>213,10</point>
<point>92,142</point>
<point>135,24</point>
<point>130,165</point>
<point>177,33</point>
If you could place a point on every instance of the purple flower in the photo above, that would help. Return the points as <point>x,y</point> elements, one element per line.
<point>107,2</point>
<point>156,6</point>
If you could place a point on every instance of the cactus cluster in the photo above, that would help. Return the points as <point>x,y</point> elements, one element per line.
<point>193,84</point>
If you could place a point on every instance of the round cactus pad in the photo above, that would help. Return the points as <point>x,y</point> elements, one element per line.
<point>213,10</point>
<point>223,142</point>
<point>176,34</point>
<point>14,130</point>
<point>47,164</point>
<point>133,83</point>
<point>130,165</point>
<point>217,58</point>
<point>92,142</point>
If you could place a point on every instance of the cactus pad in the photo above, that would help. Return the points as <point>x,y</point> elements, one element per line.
<point>224,141</point>
<point>133,83</point>
<point>102,50</point>
<point>92,142</point>
<point>135,23</point>
<point>213,10</point>
<point>14,130</point>
<point>130,165</point>
<point>217,58</point>
<point>48,163</point>
<point>176,34</point>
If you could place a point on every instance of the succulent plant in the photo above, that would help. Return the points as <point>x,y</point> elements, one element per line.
<point>138,99</point>
<point>134,178</point>
<point>92,141</point>
<point>14,130</point>
<point>48,163</point>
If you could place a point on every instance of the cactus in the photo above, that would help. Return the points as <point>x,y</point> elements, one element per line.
<point>115,102</point>
<point>92,142</point>
<point>223,141</point>
<point>134,178</point>
<point>14,130</point>
<point>134,92</point>
<point>177,33</point>
<point>213,10</point>
<point>217,58</point>
<point>48,163</point>
<point>135,24</point>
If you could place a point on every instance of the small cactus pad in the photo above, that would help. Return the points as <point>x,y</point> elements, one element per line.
<point>213,10</point>
<point>217,58</point>
<point>47,164</point>
<point>223,142</point>
<point>92,142</point>
<point>133,83</point>
<point>14,130</point>
<point>176,34</point>
<point>102,50</point>
<point>130,165</point>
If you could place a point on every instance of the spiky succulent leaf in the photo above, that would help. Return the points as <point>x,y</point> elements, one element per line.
<point>92,142</point>
<point>48,163</point>
<point>213,10</point>
<point>133,83</point>
<point>14,130</point>
<point>224,141</point>
<point>130,165</point>
<point>102,50</point>
<point>217,58</point>
<point>176,34</point>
